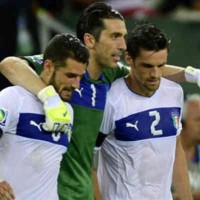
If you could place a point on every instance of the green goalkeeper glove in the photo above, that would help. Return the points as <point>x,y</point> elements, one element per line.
<point>192,75</point>
<point>56,111</point>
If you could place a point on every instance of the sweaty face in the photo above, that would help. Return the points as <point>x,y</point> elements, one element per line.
<point>111,44</point>
<point>146,71</point>
<point>67,79</point>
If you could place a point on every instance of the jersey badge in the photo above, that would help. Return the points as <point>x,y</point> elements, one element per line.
<point>175,117</point>
<point>3,116</point>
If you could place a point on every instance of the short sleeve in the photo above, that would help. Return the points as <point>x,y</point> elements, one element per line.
<point>9,104</point>
<point>107,125</point>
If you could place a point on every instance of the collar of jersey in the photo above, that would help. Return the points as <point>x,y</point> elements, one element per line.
<point>101,79</point>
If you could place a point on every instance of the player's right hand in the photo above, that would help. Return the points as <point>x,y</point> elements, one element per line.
<point>56,111</point>
<point>6,191</point>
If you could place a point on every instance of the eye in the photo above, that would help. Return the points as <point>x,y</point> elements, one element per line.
<point>147,65</point>
<point>70,75</point>
<point>114,36</point>
<point>162,65</point>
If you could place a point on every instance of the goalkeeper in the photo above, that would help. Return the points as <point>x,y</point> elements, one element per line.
<point>30,153</point>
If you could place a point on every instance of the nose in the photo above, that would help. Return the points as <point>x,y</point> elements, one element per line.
<point>76,82</point>
<point>122,44</point>
<point>155,72</point>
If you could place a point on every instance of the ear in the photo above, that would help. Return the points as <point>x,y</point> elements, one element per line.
<point>89,40</point>
<point>48,68</point>
<point>128,59</point>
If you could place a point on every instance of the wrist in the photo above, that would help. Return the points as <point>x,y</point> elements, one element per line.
<point>46,92</point>
<point>191,74</point>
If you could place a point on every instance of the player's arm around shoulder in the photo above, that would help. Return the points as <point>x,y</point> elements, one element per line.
<point>180,74</point>
<point>18,72</point>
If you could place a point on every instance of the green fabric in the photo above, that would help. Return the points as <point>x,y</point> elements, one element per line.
<point>75,179</point>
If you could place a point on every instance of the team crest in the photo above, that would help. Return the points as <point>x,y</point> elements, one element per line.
<point>176,119</point>
<point>3,116</point>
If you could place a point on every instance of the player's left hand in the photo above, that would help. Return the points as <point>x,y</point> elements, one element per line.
<point>6,191</point>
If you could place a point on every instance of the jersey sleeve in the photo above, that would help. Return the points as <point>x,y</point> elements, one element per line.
<point>181,103</point>
<point>9,103</point>
<point>107,125</point>
<point>35,62</point>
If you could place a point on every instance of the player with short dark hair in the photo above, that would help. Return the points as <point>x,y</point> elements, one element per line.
<point>30,155</point>
<point>142,119</point>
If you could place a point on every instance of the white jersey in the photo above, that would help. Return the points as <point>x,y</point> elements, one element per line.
<point>136,159</point>
<point>29,156</point>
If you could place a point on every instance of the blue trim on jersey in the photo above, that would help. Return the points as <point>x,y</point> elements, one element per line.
<point>30,126</point>
<point>153,123</point>
<point>91,94</point>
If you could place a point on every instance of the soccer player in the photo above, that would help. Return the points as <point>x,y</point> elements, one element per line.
<point>102,29</point>
<point>30,155</point>
<point>142,119</point>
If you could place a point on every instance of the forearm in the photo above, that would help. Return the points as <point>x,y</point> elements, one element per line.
<point>174,73</point>
<point>97,194</point>
<point>18,72</point>
<point>181,182</point>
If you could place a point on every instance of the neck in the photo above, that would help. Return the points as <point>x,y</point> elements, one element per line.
<point>94,70</point>
<point>134,86</point>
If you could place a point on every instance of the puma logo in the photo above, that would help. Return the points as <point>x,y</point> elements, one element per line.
<point>37,125</point>
<point>65,113</point>
<point>79,91</point>
<point>133,125</point>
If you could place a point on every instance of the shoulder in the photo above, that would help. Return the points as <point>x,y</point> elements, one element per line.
<point>171,90</point>
<point>14,93</point>
<point>170,84</point>
<point>118,87</point>
<point>112,74</point>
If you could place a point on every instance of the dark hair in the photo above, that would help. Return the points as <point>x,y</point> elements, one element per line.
<point>146,36</point>
<point>63,46</point>
<point>91,20</point>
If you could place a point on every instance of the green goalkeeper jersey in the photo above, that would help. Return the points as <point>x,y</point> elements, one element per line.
<point>75,179</point>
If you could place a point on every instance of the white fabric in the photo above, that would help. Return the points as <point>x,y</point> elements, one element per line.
<point>136,159</point>
<point>29,156</point>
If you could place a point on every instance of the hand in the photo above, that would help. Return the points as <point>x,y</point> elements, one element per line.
<point>192,75</point>
<point>6,192</point>
<point>56,111</point>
